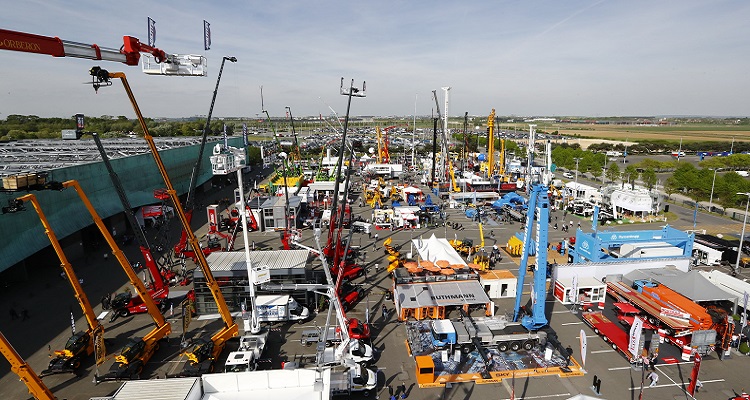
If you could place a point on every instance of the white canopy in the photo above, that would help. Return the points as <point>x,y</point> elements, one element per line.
<point>434,249</point>
<point>632,200</point>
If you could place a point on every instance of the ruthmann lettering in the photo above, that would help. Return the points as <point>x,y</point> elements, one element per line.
<point>453,296</point>
<point>19,45</point>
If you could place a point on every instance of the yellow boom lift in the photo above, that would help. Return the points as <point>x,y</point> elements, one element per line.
<point>203,354</point>
<point>37,388</point>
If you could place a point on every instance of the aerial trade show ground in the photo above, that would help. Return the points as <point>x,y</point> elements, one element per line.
<point>48,300</point>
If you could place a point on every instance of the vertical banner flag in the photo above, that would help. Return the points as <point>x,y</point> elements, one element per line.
<point>574,290</point>
<point>100,352</point>
<point>226,139</point>
<point>635,336</point>
<point>694,374</point>
<point>151,32</point>
<point>583,348</point>
<point>244,135</point>
<point>743,320</point>
<point>206,35</point>
<point>72,322</point>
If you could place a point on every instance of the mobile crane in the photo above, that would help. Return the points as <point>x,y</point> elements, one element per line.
<point>102,77</point>
<point>81,344</point>
<point>491,144</point>
<point>181,247</point>
<point>36,387</point>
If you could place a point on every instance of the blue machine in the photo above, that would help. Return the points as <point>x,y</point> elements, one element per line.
<point>538,211</point>
<point>594,247</point>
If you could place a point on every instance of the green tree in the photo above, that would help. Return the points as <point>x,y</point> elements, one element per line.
<point>671,186</point>
<point>630,174</point>
<point>613,172</point>
<point>648,176</point>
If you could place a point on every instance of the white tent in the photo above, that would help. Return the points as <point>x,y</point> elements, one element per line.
<point>434,249</point>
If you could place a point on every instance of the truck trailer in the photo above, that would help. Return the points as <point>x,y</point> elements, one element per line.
<point>496,332</point>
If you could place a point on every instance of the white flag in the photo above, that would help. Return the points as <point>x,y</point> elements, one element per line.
<point>574,290</point>
<point>583,347</point>
<point>635,336</point>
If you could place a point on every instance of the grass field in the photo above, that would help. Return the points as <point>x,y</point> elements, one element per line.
<point>688,133</point>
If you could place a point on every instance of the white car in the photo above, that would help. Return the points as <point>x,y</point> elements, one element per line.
<point>568,175</point>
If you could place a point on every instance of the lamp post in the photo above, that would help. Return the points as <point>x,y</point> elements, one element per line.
<point>283,157</point>
<point>742,237</point>
<point>711,199</point>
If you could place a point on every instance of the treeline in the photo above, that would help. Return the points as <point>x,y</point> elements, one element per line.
<point>686,179</point>
<point>668,146</point>
<point>16,127</point>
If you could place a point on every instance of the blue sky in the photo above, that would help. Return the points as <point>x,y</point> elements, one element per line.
<point>592,58</point>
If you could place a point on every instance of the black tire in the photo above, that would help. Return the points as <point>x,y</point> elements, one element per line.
<point>515,346</point>
<point>365,393</point>
<point>596,331</point>
<point>76,363</point>
<point>465,348</point>
<point>651,320</point>
<point>123,312</point>
<point>528,345</point>
<point>614,346</point>
<point>503,347</point>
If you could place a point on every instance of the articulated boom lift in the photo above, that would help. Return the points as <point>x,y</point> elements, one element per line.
<point>230,329</point>
<point>37,388</point>
<point>160,289</point>
<point>129,53</point>
<point>181,247</point>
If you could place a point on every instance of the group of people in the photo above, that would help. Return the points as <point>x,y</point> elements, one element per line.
<point>14,315</point>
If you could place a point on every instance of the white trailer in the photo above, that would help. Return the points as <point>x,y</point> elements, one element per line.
<point>280,308</point>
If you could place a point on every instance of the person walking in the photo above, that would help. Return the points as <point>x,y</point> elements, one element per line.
<point>654,377</point>
<point>13,314</point>
<point>375,244</point>
<point>25,314</point>
<point>385,313</point>
<point>652,361</point>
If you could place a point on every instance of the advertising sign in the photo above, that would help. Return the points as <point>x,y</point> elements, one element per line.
<point>635,336</point>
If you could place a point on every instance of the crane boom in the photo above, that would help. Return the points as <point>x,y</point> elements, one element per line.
<point>230,327</point>
<point>37,388</point>
<point>491,144</point>
<point>129,53</point>
<point>159,284</point>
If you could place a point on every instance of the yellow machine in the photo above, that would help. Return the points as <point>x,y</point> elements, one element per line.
<point>81,344</point>
<point>229,330</point>
<point>37,388</point>
<point>383,156</point>
<point>466,246</point>
<point>491,143</point>
<point>68,360</point>
<point>453,177</point>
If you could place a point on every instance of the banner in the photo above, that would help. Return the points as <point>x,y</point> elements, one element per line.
<point>635,337</point>
<point>206,35</point>
<point>694,374</point>
<point>100,352</point>
<point>151,32</point>
<point>244,135</point>
<point>574,290</point>
<point>72,322</point>
<point>743,319</point>
<point>226,140</point>
<point>583,348</point>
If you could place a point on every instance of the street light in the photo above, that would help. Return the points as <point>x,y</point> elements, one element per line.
<point>742,237</point>
<point>711,199</point>
<point>577,160</point>
<point>283,157</point>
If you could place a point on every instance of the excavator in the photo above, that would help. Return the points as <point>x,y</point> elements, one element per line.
<point>196,354</point>
<point>466,246</point>
<point>81,344</point>
<point>20,367</point>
